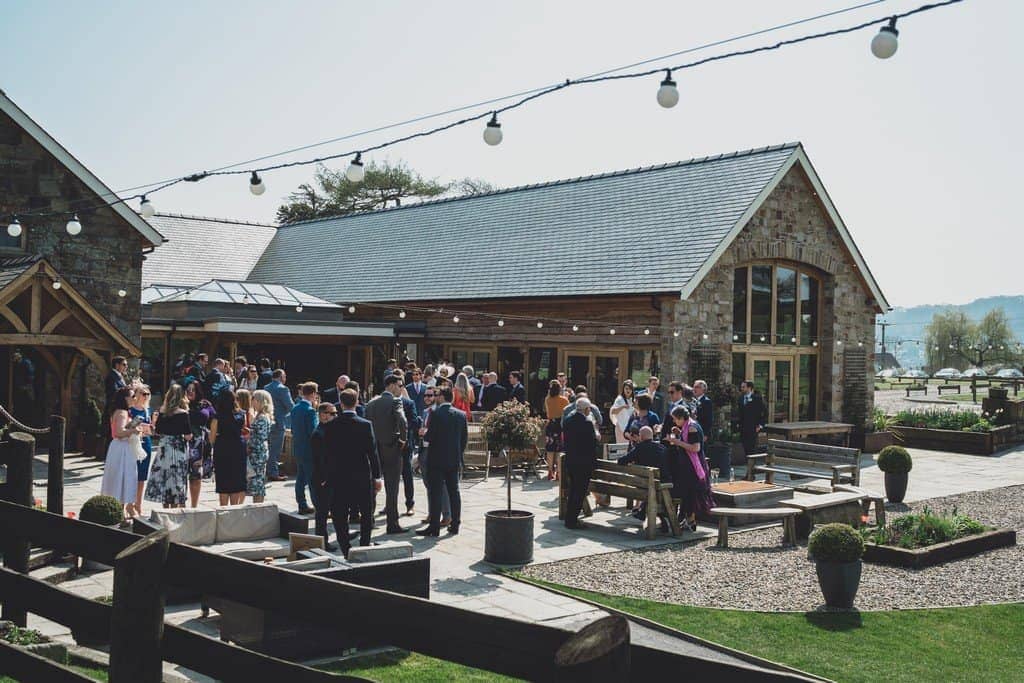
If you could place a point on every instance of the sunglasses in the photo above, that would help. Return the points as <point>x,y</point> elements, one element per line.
<point>429,395</point>
<point>330,412</point>
<point>144,393</point>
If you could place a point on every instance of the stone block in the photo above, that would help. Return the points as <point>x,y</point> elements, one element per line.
<point>393,550</point>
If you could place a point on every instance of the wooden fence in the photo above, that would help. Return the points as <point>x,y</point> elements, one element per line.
<point>145,565</point>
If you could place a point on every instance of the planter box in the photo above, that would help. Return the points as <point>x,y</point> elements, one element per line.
<point>976,443</point>
<point>876,441</point>
<point>941,552</point>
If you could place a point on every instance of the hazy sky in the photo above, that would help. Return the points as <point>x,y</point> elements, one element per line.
<point>921,153</point>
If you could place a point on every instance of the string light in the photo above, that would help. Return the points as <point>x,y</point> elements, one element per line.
<point>575,328</point>
<point>646,331</point>
<point>492,131</point>
<point>455,319</point>
<point>501,323</point>
<point>401,314</point>
<point>886,41</point>
<point>792,340</point>
<point>56,284</point>
<point>14,228</point>
<point>74,226</point>
<point>814,343</point>
<point>668,94</point>
<point>735,337</point>
<point>146,208</point>
<point>122,293</point>
<point>351,309</point>
<point>355,171</point>
<point>540,324</point>
<point>675,333</point>
<point>704,336</point>
<point>298,309</point>
<point>256,185</point>
<point>245,298</point>
<point>762,337</point>
<point>611,331</point>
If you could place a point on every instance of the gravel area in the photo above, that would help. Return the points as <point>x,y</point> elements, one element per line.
<point>756,572</point>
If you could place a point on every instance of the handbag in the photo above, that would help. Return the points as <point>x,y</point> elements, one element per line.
<point>137,449</point>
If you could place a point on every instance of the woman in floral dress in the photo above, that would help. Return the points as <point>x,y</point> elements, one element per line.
<point>168,476</point>
<point>258,449</point>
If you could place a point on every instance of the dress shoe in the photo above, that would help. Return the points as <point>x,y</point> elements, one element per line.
<point>578,525</point>
<point>453,529</point>
<point>446,522</point>
<point>331,547</point>
<point>409,511</point>
<point>307,511</point>
<point>354,520</point>
<point>427,531</point>
<point>278,477</point>
<point>395,530</point>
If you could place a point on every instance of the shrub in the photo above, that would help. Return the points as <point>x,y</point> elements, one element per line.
<point>895,460</point>
<point>105,510</point>
<point>924,529</point>
<point>835,543</point>
<point>510,426</point>
<point>957,420</point>
<point>22,636</point>
<point>92,418</point>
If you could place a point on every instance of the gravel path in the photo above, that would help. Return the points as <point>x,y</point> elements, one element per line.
<point>755,572</point>
<point>894,400</point>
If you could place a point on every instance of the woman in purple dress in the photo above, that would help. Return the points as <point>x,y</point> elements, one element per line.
<point>200,454</point>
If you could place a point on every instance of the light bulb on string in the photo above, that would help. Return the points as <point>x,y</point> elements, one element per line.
<point>792,340</point>
<point>146,208</point>
<point>675,333</point>
<point>886,41</point>
<point>351,309</point>
<point>668,94</point>
<point>611,331</point>
<point>704,336</point>
<point>355,171</point>
<point>14,227</point>
<point>575,328</point>
<point>122,293</point>
<point>298,309</point>
<point>814,343</point>
<point>860,343</point>
<point>74,226</point>
<point>735,337</point>
<point>492,131</point>
<point>256,185</point>
<point>501,323</point>
<point>56,284</point>
<point>401,314</point>
<point>839,342</point>
<point>455,319</point>
<point>762,337</point>
<point>646,331</point>
<point>539,324</point>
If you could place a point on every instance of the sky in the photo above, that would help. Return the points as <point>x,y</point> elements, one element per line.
<point>920,153</point>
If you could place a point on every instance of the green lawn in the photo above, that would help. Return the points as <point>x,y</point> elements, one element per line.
<point>953,644</point>
<point>402,666</point>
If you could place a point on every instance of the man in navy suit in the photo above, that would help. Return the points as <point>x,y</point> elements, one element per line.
<point>266,375</point>
<point>446,436</point>
<point>352,469</point>
<point>416,388</point>
<point>493,394</point>
<point>517,392</point>
<point>705,408</point>
<point>283,405</point>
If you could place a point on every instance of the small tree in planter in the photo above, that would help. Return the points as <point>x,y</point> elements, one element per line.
<point>508,537</point>
<point>92,424</point>
<point>896,463</point>
<point>105,510</point>
<point>837,550</point>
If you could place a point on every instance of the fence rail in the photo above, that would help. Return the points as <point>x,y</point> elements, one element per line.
<point>506,646</point>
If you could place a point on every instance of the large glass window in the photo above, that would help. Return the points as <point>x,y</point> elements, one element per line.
<point>761,305</point>
<point>642,365</point>
<point>808,309</point>
<point>807,383</point>
<point>739,368</point>
<point>785,305</point>
<point>739,306</point>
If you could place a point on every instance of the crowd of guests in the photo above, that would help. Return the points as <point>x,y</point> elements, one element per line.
<point>227,422</point>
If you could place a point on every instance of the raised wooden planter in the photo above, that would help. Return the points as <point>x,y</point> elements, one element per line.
<point>876,441</point>
<point>940,552</point>
<point>975,443</point>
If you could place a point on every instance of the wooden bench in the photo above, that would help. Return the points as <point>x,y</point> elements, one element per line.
<point>949,387</point>
<point>797,458</point>
<point>788,516</point>
<point>917,387</point>
<point>840,506</point>
<point>868,498</point>
<point>614,451</point>
<point>633,482</point>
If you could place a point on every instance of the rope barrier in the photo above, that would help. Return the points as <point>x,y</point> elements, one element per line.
<point>23,427</point>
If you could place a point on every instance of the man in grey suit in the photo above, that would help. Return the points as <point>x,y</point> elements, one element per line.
<point>391,429</point>
<point>283,405</point>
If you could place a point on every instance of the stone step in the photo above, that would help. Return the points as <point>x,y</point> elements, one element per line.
<point>55,573</point>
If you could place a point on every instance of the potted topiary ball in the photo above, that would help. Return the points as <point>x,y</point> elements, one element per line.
<point>896,463</point>
<point>105,510</point>
<point>836,550</point>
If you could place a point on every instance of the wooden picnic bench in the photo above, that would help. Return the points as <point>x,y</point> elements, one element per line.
<point>917,387</point>
<point>633,482</point>
<point>787,514</point>
<point>800,459</point>
<point>949,387</point>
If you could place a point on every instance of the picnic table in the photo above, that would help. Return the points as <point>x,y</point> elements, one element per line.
<point>795,431</point>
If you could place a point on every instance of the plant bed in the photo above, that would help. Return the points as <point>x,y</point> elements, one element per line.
<point>973,443</point>
<point>918,558</point>
<point>876,441</point>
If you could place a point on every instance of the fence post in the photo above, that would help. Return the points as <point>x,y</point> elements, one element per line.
<point>974,389</point>
<point>55,466</point>
<point>21,450</point>
<point>599,651</point>
<point>137,622</point>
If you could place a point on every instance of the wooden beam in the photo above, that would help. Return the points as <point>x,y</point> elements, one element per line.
<point>53,340</point>
<point>27,666</point>
<point>13,318</point>
<point>59,317</point>
<point>36,309</point>
<point>138,610</point>
<point>96,359</point>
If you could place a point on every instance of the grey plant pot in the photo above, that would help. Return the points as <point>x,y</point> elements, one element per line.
<point>896,486</point>
<point>508,539</point>
<point>839,582</point>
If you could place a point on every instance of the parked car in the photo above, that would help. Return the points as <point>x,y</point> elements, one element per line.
<point>916,374</point>
<point>975,372</point>
<point>1010,373</point>
<point>889,373</point>
<point>948,373</point>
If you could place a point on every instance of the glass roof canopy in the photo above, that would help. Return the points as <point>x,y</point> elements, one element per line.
<point>234,292</point>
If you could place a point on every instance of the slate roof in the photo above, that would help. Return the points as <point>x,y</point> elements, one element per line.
<point>638,231</point>
<point>11,268</point>
<point>199,249</point>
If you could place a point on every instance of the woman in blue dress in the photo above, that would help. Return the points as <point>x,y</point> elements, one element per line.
<point>643,416</point>
<point>139,408</point>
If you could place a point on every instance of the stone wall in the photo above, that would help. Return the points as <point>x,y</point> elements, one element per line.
<point>791,225</point>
